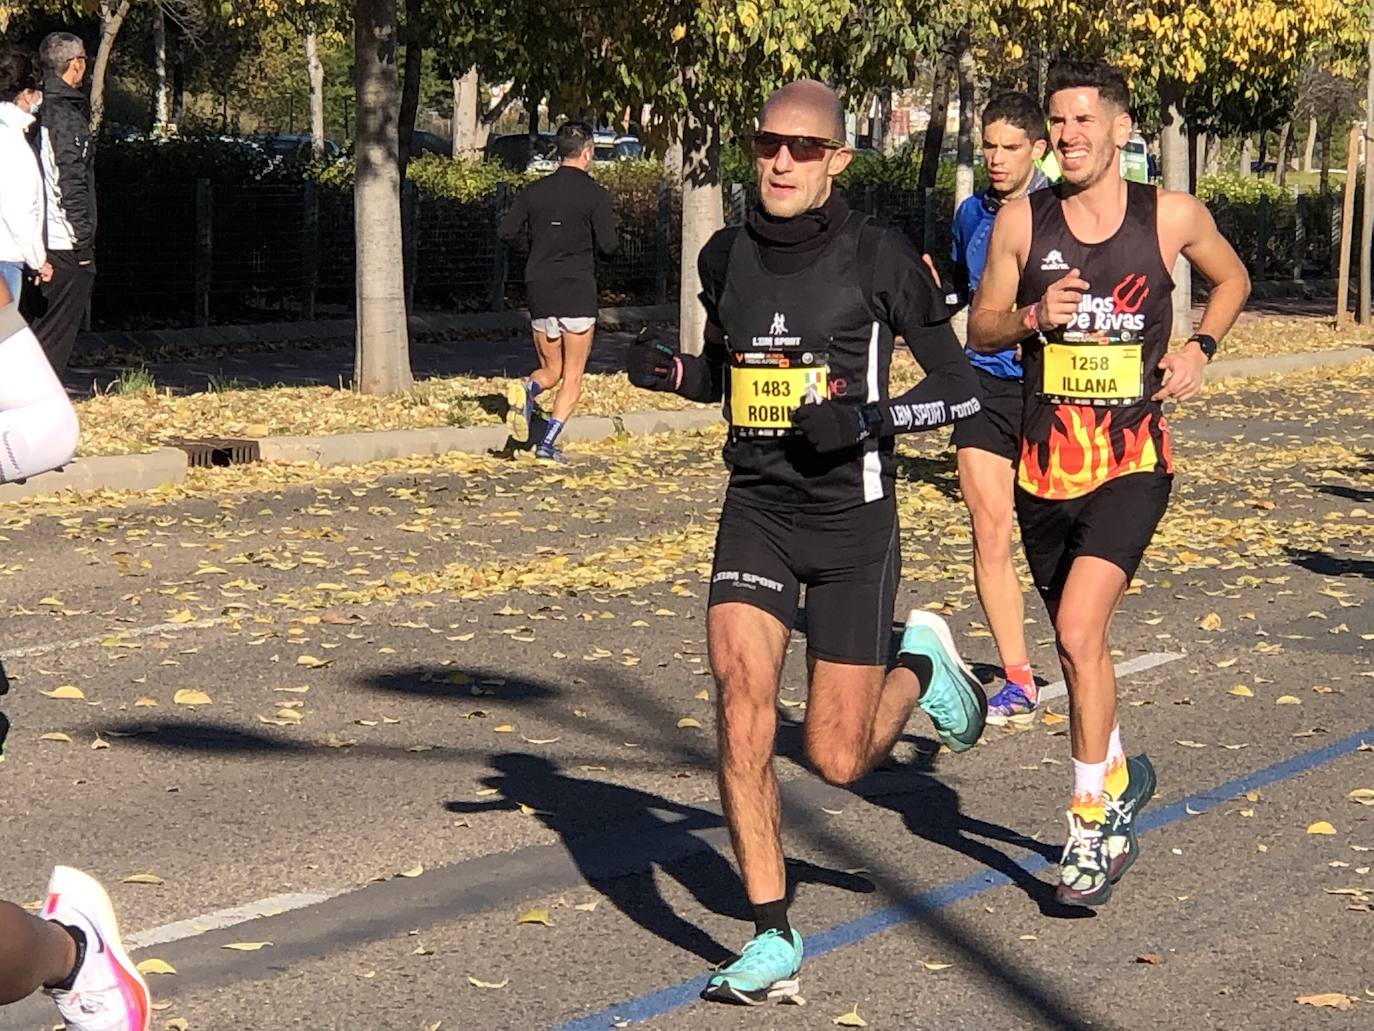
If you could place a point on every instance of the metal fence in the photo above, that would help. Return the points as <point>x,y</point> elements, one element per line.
<point>186,254</point>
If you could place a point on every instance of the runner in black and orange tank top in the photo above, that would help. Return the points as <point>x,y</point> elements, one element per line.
<point>1080,278</point>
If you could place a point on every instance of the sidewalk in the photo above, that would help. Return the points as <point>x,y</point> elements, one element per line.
<point>488,344</point>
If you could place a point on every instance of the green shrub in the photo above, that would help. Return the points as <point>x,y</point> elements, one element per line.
<point>1238,189</point>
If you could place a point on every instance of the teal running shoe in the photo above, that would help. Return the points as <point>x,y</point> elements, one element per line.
<point>1122,845</point>
<point>767,968</point>
<point>954,699</point>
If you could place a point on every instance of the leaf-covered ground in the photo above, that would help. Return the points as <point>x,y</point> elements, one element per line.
<point>125,423</point>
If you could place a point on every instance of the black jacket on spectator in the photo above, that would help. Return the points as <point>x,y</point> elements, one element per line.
<point>67,150</point>
<point>560,218</point>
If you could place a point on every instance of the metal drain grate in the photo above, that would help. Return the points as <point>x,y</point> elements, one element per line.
<point>218,451</point>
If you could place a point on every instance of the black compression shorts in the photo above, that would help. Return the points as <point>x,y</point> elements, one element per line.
<point>849,561</point>
<point>1115,522</point>
<point>997,426</point>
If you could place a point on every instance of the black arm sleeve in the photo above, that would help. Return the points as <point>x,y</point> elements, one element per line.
<point>512,227</point>
<point>70,138</point>
<point>906,295</point>
<point>603,224</point>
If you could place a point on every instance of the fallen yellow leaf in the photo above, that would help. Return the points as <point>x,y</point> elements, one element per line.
<point>143,878</point>
<point>1211,621</point>
<point>535,916</point>
<point>190,696</point>
<point>414,871</point>
<point>67,692</point>
<point>850,1019</point>
<point>1364,796</point>
<point>1241,691</point>
<point>486,984</point>
<point>1333,1000</point>
<point>155,966</point>
<point>1287,699</point>
<point>687,723</point>
<point>55,736</point>
<point>246,946</point>
<point>1320,827</point>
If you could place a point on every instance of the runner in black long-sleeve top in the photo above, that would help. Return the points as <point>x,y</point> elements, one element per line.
<point>563,219</point>
<point>803,305</point>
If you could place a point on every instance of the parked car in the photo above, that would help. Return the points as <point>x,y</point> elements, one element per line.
<point>296,146</point>
<point>519,153</point>
<point>422,142</point>
<point>612,146</point>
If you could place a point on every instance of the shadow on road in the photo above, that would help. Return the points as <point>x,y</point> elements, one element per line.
<point>1324,564</point>
<point>618,835</point>
<point>572,806</point>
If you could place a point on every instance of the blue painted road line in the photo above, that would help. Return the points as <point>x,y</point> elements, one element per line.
<point>655,1004</point>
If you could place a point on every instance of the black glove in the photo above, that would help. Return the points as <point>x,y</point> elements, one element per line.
<point>830,426</point>
<point>652,364</point>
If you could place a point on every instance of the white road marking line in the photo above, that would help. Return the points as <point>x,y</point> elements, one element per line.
<point>31,650</point>
<point>222,918</point>
<point>1140,663</point>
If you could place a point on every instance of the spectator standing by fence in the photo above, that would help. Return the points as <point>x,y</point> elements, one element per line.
<point>67,155</point>
<point>563,218</point>
<point>21,186</point>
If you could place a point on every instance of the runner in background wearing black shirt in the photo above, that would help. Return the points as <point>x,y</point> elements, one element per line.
<point>561,218</point>
<point>803,304</point>
<point>1081,276</point>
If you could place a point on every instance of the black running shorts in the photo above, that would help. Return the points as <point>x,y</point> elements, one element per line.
<point>849,561</point>
<point>997,426</point>
<point>1115,522</point>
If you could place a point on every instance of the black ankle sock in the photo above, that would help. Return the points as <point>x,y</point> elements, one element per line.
<point>921,666</point>
<point>65,985</point>
<point>771,916</point>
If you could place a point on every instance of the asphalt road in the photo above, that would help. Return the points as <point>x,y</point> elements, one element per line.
<point>444,694</point>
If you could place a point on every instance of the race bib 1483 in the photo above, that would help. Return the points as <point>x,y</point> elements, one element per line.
<point>767,386</point>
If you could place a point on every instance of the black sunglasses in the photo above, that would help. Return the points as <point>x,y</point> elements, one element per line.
<point>802,148</point>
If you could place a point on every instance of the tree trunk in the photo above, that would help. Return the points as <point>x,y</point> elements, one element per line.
<point>314,70</point>
<point>469,135</point>
<point>1197,157</point>
<point>382,362</point>
<point>1173,157</point>
<point>178,88</point>
<point>963,175</point>
<point>935,131</point>
<point>702,209</point>
<point>882,124</point>
<point>1213,165</point>
<point>410,83</point>
<point>532,111</point>
<point>1281,163</point>
<point>162,107</point>
<point>1311,143</point>
<point>1263,151</point>
<point>1347,225</point>
<point>1328,127</point>
<point>1367,219</point>
<point>1243,162</point>
<point>112,14</point>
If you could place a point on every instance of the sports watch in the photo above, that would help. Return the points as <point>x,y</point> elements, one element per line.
<point>1206,343</point>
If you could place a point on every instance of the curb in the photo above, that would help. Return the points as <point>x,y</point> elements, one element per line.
<point>1234,368</point>
<point>359,448</point>
<point>105,472</point>
<point>168,465</point>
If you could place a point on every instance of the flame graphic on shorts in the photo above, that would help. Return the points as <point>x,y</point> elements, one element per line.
<point>1084,451</point>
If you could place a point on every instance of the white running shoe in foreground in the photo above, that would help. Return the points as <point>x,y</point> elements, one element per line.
<point>108,994</point>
